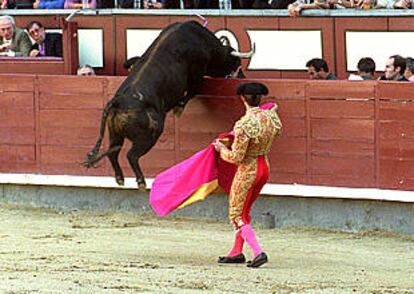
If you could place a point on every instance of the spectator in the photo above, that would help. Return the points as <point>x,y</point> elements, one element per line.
<point>260,4</point>
<point>366,69</point>
<point>48,4</point>
<point>296,7</point>
<point>161,4</point>
<point>409,69</point>
<point>85,70</point>
<point>126,3</point>
<point>77,4</point>
<point>201,4</point>
<point>396,4</point>
<point>318,70</point>
<point>149,4</point>
<point>8,4</point>
<point>394,69</point>
<point>100,4</point>
<point>273,4</point>
<point>13,41</point>
<point>17,4</point>
<point>171,4</point>
<point>242,4</point>
<point>46,44</point>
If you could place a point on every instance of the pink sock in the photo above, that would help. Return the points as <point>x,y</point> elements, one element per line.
<point>248,234</point>
<point>238,245</point>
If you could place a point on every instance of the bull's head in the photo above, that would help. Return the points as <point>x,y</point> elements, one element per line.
<point>227,60</point>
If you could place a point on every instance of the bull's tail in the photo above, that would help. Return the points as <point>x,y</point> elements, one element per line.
<point>92,156</point>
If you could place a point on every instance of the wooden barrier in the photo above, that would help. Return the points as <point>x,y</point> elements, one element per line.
<point>336,133</point>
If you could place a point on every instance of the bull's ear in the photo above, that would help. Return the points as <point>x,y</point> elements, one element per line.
<point>224,41</point>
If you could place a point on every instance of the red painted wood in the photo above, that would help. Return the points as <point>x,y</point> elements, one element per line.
<point>347,129</point>
<point>20,83</point>
<point>16,100</point>
<point>395,90</point>
<point>18,118</point>
<point>342,109</point>
<point>324,89</point>
<point>10,154</point>
<point>17,135</point>
<point>325,141</point>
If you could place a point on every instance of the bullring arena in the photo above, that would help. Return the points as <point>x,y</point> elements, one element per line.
<point>336,216</point>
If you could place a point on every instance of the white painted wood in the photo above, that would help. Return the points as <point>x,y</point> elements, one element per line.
<point>269,189</point>
<point>284,50</point>
<point>377,45</point>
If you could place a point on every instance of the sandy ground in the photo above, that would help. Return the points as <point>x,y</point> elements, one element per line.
<point>49,251</point>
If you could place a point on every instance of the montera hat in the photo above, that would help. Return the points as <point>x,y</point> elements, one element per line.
<point>252,89</point>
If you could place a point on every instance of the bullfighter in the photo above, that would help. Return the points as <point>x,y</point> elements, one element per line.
<point>253,137</point>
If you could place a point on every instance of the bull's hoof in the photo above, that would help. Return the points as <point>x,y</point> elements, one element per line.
<point>142,187</point>
<point>91,156</point>
<point>120,181</point>
<point>86,164</point>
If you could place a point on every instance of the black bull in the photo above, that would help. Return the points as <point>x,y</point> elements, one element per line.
<point>166,76</point>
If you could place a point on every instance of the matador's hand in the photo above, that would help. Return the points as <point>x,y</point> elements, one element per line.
<point>218,145</point>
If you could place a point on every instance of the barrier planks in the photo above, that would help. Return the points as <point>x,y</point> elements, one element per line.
<point>336,133</point>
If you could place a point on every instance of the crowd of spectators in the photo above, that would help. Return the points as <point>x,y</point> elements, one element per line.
<point>295,7</point>
<point>397,68</point>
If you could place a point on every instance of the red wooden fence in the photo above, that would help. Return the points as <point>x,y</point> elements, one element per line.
<point>336,133</point>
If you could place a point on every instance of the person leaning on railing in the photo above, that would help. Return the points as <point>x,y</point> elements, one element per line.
<point>14,4</point>
<point>48,4</point>
<point>296,8</point>
<point>78,4</point>
<point>200,4</point>
<point>149,4</point>
<point>13,41</point>
<point>395,4</point>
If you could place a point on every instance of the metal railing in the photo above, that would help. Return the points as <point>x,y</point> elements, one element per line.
<point>219,12</point>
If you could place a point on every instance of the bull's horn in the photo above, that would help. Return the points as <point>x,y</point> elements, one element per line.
<point>245,55</point>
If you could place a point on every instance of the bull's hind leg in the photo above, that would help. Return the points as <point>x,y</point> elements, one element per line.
<point>138,149</point>
<point>116,142</point>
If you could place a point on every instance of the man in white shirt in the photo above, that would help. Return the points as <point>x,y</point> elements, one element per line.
<point>409,69</point>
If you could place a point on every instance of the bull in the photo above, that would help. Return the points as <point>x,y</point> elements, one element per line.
<point>166,76</point>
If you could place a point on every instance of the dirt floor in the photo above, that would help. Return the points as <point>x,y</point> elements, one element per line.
<point>49,251</point>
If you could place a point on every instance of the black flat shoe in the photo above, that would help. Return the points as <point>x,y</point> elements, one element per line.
<point>259,260</point>
<point>232,259</point>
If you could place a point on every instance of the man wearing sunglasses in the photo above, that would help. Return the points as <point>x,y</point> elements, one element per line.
<point>46,44</point>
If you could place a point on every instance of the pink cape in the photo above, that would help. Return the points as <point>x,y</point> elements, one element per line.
<point>175,185</point>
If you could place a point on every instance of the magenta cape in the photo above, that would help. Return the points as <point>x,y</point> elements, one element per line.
<point>174,186</point>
